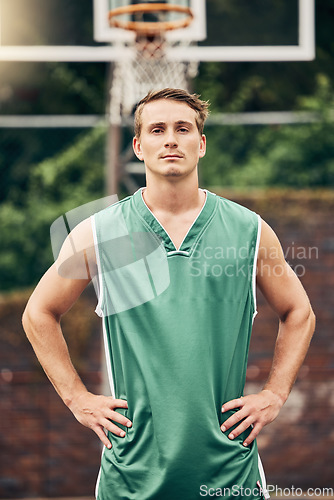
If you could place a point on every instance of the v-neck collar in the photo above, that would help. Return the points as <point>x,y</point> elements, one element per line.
<point>193,232</point>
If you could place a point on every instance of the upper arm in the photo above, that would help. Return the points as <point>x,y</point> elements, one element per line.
<point>275,278</point>
<point>66,279</point>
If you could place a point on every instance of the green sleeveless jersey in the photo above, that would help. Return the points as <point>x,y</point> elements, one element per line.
<point>177,326</point>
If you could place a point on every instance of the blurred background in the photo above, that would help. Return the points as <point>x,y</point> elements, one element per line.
<point>270,148</point>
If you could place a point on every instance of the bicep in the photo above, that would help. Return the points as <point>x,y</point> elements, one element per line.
<point>77,258</point>
<point>54,294</point>
<point>66,279</point>
<point>275,278</point>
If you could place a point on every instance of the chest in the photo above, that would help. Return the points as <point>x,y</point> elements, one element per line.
<point>178,227</point>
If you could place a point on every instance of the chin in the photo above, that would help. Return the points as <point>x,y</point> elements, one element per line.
<point>173,169</point>
<point>169,171</point>
<point>173,173</point>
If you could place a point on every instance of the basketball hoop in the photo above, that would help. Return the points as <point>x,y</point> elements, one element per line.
<point>146,27</point>
<point>148,67</point>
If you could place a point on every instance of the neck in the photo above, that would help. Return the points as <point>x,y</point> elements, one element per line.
<point>173,197</point>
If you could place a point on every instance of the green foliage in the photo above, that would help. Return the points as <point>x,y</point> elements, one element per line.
<point>21,148</point>
<point>242,22</point>
<point>74,174</point>
<point>299,155</point>
<point>296,155</point>
<point>44,174</point>
<point>57,185</point>
<point>237,156</point>
<point>72,88</point>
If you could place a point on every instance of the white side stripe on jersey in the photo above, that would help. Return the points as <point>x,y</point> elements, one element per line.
<point>255,264</point>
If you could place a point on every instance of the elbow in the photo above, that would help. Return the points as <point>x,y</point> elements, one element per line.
<point>301,317</point>
<point>36,319</point>
<point>312,319</point>
<point>309,316</point>
<point>306,319</point>
<point>26,320</point>
<point>29,320</point>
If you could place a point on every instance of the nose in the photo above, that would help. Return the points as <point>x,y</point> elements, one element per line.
<point>170,140</point>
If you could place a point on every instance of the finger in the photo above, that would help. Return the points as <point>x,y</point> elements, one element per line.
<point>117,403</point>
<point>118,417</point>
<point>102,435</point>
<point>231,405</point>
<point>233,420</point>
<point>252,435</point>
<point>241,428</point>
<point>114,429</point>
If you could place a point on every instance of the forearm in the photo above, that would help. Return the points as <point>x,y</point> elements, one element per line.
<point>294,336</point>
<point>258,410</point>
<point>45,335</point>
<point>96,412</point>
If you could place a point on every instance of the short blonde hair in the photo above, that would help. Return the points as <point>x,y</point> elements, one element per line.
<point>192,100</point>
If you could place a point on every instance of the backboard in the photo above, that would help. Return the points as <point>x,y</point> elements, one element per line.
<point>221,30</point>
<point>230,30</point>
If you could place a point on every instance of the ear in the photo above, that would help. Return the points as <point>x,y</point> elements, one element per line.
<point>137,148</point>
<point>202,146</point>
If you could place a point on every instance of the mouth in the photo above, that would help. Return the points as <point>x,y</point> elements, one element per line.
<point>171,157</point>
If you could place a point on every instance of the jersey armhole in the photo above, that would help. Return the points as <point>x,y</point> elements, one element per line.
<point>98,283</point>
<point>256,253</point>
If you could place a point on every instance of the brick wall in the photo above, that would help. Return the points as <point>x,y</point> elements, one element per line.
<point>298,447</point>
<point>45,452</point>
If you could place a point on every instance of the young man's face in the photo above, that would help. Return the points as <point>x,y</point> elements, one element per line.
<point>169,143</point>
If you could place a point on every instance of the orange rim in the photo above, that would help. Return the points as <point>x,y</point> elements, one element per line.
<point>150,27</point>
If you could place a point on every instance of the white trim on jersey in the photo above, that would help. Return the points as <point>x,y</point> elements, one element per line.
<point>99,475</point>
<point>263,479</point>
<point>98,480</point>
<point>99,291</point>
<point>112,391</point>
<point>255,264</point>
<point>178,252</point>
<point>100,313</point>
<point>108,361</point>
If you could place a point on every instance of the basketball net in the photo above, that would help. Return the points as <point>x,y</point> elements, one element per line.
<point>148,68</point>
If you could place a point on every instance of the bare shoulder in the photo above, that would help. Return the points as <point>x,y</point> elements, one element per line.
<point>70,274</point>
<point>271,261</point>
<point>270,246</point>
<point>77,258</point>
<point>275,278</point>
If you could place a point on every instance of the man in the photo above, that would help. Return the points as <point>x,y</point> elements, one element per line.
<point>178,426</point>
